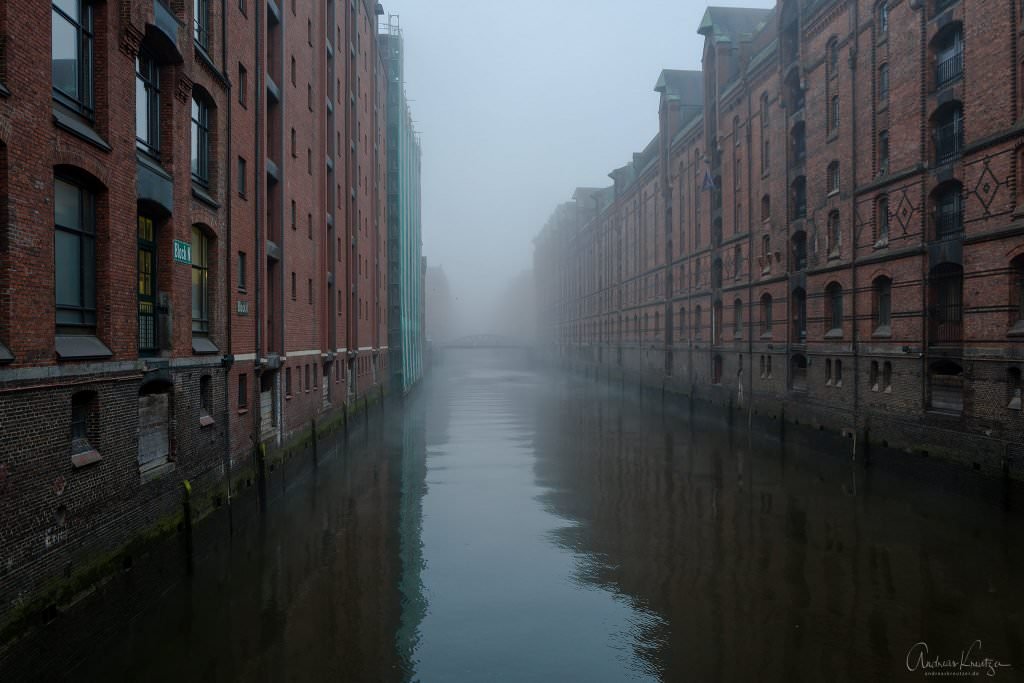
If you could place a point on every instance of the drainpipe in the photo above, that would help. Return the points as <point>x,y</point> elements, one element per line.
<point>259,263</point>
<point>749,367</point>
<point>227,235</point>
<point>853,239</point>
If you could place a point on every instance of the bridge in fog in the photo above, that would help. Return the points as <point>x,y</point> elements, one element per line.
<point>486,341</point>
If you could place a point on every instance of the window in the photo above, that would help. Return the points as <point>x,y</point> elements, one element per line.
<point>798,142</point>
<point>200,140</point>
<point>764,110</point>
<point>828,372</point>
<point>1013,388</point>
<point>202,23</point>
<point>243,391</point>
<point>293,285</point>
<point>309,225</point>
<point>1017,294</point>
<point>310,290</point>
<point>309,161</point>
<point>948,48</point>
<point>147,104</point>
<point>883,85</point>
<point>945,304</point>
<point>887,377</point>
<point>146,261</point>
<point>948,132</point>
<point>697,322</point>
<point>798,372</point>
<point>833,58</point>
<point>833,177</point>
<point>71,54</point>
<point>834,234</point>
<point>833,116</point>
<point>766,156</point>
<point>766,253</point>
<point>242,177</point>
<point>243,84</point>
<point>883,152</point>
<point>737,261</point>
<point>882,229</point>
<point>838,373</point>
<point>799,315</point>
<point>305,382</point>
<point>948,210</point>
<point>294,226</point>
<point>200,282</point>
<point>293,70</point>
<point>882,290</point>
<point>737,323</point>
<point>241,271</point>
<point>205,396</point>
<point>799,250</point>
<point>798,198</point>
<point>834,309</point>
<point>84,423</point>
<point>682,323</point>
<point>873,376</point>
<point>946,387</point>
<point>294,150</point>
<point>766,315</point>
<point>288,382</point>
<point>74,254</point>
<point>309,96</point>
<point>883,18</point>
<point>766,208</point>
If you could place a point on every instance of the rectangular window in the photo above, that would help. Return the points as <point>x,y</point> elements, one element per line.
<point>307,376</point>
<point>74,254</point>
<point>200,283</point>
<point>288,382</point>
<point>241,271</point>
<point>147,104</point>
<point>242,177</point>
<point>243,391</point>
<point>293,214</point>
<point>243,83</point>
<point>310,289</point>
<point>309,225</point>
<point>200,141</point>
<point>201,21</point>
<point>71,54</point>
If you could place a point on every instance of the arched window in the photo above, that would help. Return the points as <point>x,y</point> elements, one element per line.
<point>882,305</point>
<point>948,132</point>
<point>948,51</point>
<point>794,92</point>
<point>716,273</point>
<point>764,110</point>
<point>799,315</point>
<point>834,234</point>
<point>883,85</point>
<point>766,314</point>
<point>945,304</point>
<point>832,177</point>
<point>737,318</point>
<point>883,152</point>
<point>833,114</point>
<point>766,208</point>
<point>834,310</point>
<point>947,210</point>
<point>833,57</point>
<point>765,259</point>
<point>883,18</point>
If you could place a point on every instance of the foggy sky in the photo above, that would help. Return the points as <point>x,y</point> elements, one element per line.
<point>519,102</point>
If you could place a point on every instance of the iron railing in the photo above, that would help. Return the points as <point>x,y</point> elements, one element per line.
<point>948,141</point>
<point>949,67</point>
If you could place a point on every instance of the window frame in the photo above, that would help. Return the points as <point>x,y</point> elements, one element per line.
<point>85,234</point>
<point>148,81</point>
<point>84,29</point>
<point>201,24</point>
<point>200,162</point>
<point>201,269</point>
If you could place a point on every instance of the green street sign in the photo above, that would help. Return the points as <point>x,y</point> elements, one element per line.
<point>182,252</point>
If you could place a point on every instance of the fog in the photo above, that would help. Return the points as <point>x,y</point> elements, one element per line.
<point>518,103</point>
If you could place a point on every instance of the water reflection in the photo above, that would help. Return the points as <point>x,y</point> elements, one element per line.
<point>516,525</point>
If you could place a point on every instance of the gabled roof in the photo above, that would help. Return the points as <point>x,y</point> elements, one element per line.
<point>688,86</point>
<point>732,23</point>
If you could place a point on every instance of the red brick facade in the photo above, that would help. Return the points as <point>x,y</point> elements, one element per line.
<point>129,364</point>
<point>827,227</point>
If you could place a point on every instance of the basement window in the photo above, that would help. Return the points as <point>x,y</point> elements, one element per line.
<point>84,429</point>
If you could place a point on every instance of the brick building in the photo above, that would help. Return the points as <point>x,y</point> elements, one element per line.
<point>192,239</point>
<point>827,226</point>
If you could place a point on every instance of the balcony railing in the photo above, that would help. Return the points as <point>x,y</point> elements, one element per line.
<point>948,141</point>
<point>949,222</point>
<point>949,67</point>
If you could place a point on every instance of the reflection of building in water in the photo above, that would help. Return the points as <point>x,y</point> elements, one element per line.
<point>766,564</point>
<point>417,415</point>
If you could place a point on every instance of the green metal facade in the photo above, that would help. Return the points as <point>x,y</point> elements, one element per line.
<point>405,246</point>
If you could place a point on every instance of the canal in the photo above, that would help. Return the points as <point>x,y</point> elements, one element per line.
<point>518,525</point>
